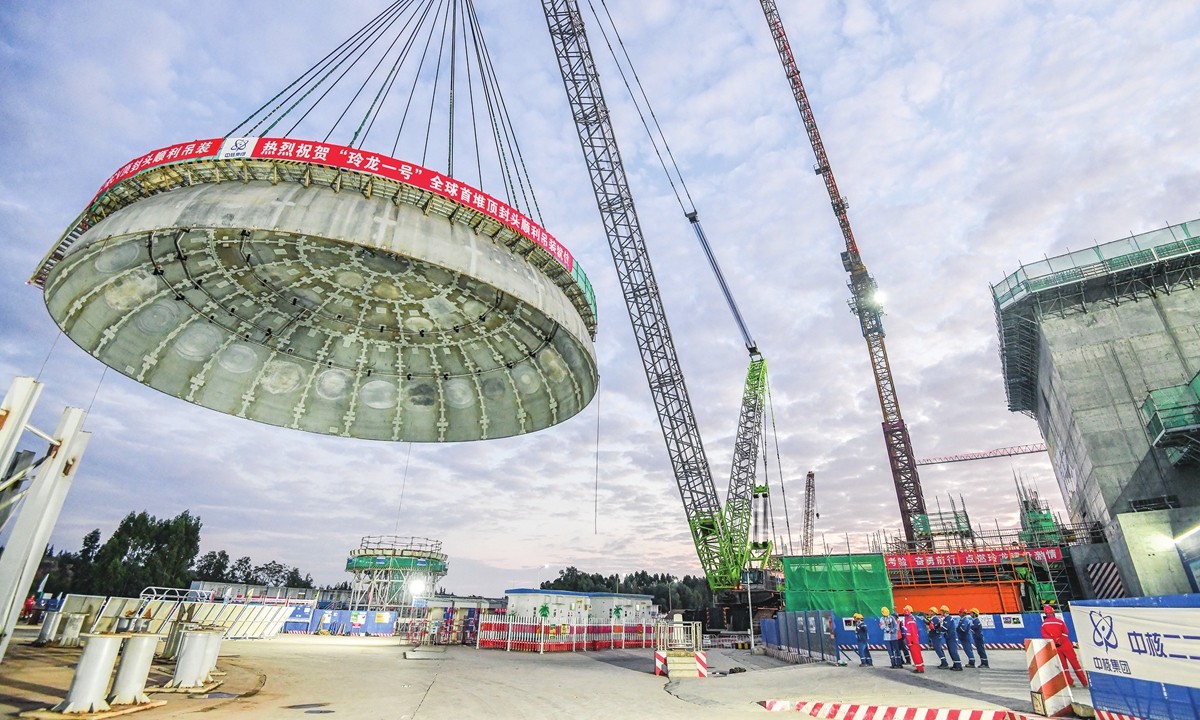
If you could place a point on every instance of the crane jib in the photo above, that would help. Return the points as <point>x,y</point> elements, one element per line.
<point>864,304</point>
<point>721,535</point>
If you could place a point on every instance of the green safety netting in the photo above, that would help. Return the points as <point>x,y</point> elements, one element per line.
<point>845,584</point>
<point>1172,414</point>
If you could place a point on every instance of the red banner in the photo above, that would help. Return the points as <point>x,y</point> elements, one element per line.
<point>920,561</point>
<point>350,159</point>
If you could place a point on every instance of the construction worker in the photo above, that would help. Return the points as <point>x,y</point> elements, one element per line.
<point>860,634</point>
<point>905,658</point>
<point>937,632</point>
<point>891,635</point>
<point>950,630</point>
<point>1053,628</point>
<point>913,637</point>
<point>963,627</point>
<point>977,637</point>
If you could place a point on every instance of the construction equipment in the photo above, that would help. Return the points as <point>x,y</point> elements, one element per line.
<point>722,534</point>
<point>999,452</point>
<point>810,513</point>
<point>865,303</point>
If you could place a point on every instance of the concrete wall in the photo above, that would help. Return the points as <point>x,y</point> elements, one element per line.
<point>1095,370</point>
<point>1081,557</point>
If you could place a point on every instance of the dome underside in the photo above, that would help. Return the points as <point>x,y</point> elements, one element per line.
<point>323,334</point>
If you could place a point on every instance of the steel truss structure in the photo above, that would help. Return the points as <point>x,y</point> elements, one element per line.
<point>390,572</point>
<point>721,536</point>
<point>865,300</point>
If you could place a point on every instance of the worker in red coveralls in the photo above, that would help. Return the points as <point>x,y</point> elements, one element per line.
<point>912,637</point>
<point>1053,628</point>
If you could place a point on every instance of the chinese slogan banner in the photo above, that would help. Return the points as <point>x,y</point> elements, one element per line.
<point>911,561</point>
<point>350,159</point>
<point>1156,644</point>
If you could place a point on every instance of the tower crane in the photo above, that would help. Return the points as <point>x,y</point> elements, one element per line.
<point>865,301</point>
<point>810,513</point>
<point>722,534</point>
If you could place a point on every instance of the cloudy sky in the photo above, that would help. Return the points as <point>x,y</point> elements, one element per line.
<point>968,136</point>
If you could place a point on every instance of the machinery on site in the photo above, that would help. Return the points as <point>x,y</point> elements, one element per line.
<point>865,303</point>
<point>736,558</point>
<point>810,513</point>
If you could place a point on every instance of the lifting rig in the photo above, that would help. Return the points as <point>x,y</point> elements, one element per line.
<point>722,535</point>
<point>864,303</point>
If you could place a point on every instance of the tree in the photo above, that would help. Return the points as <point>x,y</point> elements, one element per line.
<point>295,581</point>
<point>243,572</point>
<point>271,573</point>
<point>668,591</point>
<point>213,566</point>
<point>145,551</point>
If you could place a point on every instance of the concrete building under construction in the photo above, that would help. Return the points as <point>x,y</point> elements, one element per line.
<point>1102,347</point>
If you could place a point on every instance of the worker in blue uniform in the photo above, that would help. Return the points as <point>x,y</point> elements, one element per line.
<point>860,634</point>
<point>937,634</point>
<point>951,637</point>
<point>963,626</point>
<point>891,636</point>
<point>977,637</point>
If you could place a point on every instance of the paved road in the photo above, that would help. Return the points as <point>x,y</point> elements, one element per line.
<point>293,676</point>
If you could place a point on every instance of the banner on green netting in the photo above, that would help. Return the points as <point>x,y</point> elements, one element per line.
<point>845,584</point>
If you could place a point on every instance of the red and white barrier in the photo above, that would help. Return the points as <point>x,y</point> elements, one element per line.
<point>1048,684</point>
<point>927,646</point>
<point>849,711</point>
<point>702,663</point>
<point>660,663</point>
<point>1106,715</point>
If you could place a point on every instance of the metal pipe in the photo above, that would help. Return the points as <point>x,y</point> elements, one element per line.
<point>90,682</point>
<point>694,218</point>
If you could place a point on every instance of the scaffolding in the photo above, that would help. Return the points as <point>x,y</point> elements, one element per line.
<point>1124,270</point>
<point>393,573</point>
<point>1037,553</point>
<point>1172,417</point>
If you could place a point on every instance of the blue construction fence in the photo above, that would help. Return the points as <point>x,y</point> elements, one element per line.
<point>1007,631</point>
<point>1141,697</point>
<point>305,619</point>
<point>798,630</point>
<point>807,634</point>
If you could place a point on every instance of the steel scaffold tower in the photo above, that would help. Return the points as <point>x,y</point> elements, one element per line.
<point>810,513</point>
<point>721,536</point>
<point>865,303</point>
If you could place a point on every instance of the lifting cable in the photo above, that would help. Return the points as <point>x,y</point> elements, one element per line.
<point>661,137</point>
<point>657,136</point>
<point>779,466</point>
<point>360,74</point>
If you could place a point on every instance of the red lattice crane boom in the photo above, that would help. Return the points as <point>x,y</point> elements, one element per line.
<point>865,303</point>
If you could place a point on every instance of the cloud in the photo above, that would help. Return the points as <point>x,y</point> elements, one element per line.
<point>968,137</point>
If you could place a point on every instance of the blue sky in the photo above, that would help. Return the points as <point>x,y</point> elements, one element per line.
<point>968,136</point>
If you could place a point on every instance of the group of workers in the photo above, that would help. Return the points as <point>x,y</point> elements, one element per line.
<point>947,633</point>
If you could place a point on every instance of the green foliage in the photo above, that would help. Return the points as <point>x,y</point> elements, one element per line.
<point>670,593</point>
<point>145,551</point>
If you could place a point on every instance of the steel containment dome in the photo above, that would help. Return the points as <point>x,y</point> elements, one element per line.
<point>327,289</point>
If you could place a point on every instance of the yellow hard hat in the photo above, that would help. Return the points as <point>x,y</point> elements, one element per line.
<point>933,610</point>
<point>975,611</point>
<point>884,612</point>
<point>908,608</point>
<point>945,608</point>
<point>858,616</point>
